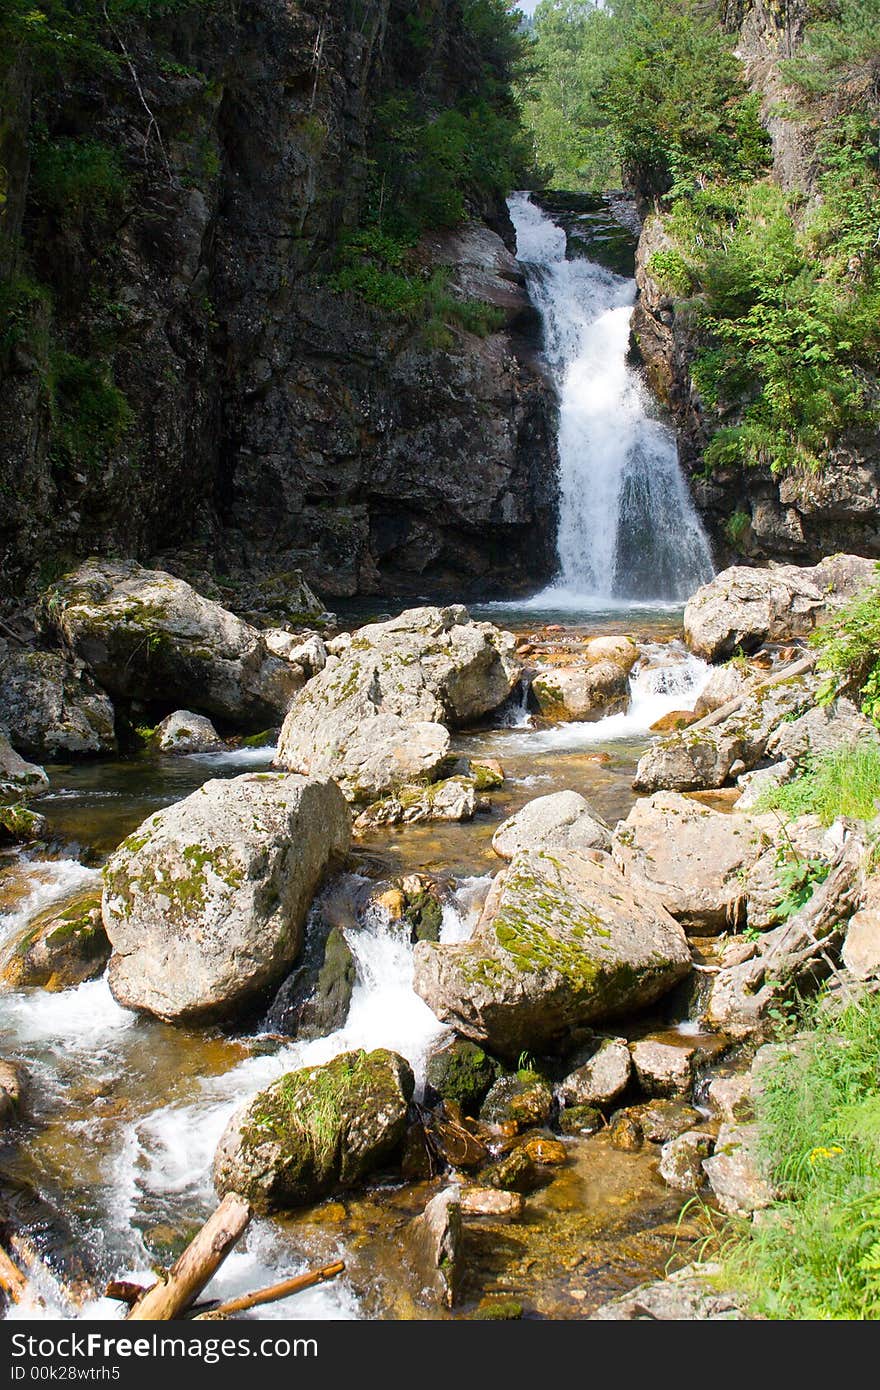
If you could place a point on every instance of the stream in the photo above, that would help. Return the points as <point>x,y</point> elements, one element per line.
<point>111,1174</point>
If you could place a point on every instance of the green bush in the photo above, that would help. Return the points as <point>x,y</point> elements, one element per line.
<point>849,649</point>
<point>816,1253</point>
<point>78,177</point>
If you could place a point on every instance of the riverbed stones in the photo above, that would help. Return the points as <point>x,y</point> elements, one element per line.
<point>63,946</point>
<point>699,759</point>
<point>695,859</point>
<point>460,1071</point>
<point>433,1247</point>
<point>491,1201</point>
<point>663,1120</point>
<point>187,732</point>
<point>51,708</point>
<point>563,942</point>
<point>688,1295</point>
<point>523,1098</point>
<point>663,1068</point>
<point>452,799</point>
<point>560,821</point>
<point>205,903</point>
<point>744,607</point>
<point>377,718</point>
<point>147,636</point>
<point>681,1160</point>
<point>601,1078</point>
<point>581,693</point>
<point>19,780</point>
<point>316,1130</point>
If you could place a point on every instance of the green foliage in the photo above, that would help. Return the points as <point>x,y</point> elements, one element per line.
<point>845,782</point>
<point>90,415</point>
<point>77,177</point>
<point>736,526</point>
<point>798,877</point>
<point>849,649</point>
<point>841,44</point>
<point>672,272</point>
<point>24,305</point>
<point>816,1253</point>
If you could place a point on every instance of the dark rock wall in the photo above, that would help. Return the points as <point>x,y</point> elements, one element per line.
<point>275,424</point>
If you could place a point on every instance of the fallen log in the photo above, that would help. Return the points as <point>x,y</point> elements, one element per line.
<point>176,1291</point>
<point>717,716</point>
<point>272,1294</point>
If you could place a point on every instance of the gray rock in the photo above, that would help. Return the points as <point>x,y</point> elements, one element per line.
<point>601,1079</point>
<point>186,732</point>
<point>12,1092</point>
<point>316,1130</point>
<point>663,1068</point>
<point>581,692</point>
<point>145,635</point>
<point>19,825</point>
<point>681,1160</point>
<point>692,857</point>
<point>756,784</point>
<point>453,799</point>
<point>315,998</point>
<point>522,1099</point>
<point>376,719</point>
<point>789,845</point>
<point>689,1295</point>
<point>563,942</point>
<point>822,729</point>
<point>861,947</point>
<point>51,708</point>
<point>735,1172</point>
<point>19,779</point>
<point>743,607</point>
<point>560,821</point>
<point>205,903</point>
<point>662,1120</point>
<point>433,1247</point>
<point>701,759</point>
<point>731,1097</point>
<point>725,683</point>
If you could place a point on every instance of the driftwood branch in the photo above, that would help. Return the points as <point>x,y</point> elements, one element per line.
<point>273,1293</point>
<point>797,668</point>
<point>172,1295</point>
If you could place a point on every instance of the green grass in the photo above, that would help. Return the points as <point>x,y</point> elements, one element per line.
<point>816,1253</point>
<point>845,782</point>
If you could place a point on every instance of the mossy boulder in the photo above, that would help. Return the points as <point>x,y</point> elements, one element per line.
<point>19,780</point>
<point>523,1098</point>
<point>51,708</point>
<point>186,732</point>
<point>316,1130</point>
<point>18,824</point>
<point>563,942</point>
<point>462,1072</point>
<point>206,902</point>
<point>582,692</point>
<point>145,635</point>
<point>63,946</point>
<point>315,998</point>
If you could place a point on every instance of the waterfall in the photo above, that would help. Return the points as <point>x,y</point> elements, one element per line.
<point>628,529</point>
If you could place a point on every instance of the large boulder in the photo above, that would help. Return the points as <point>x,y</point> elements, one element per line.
<point>51,708</point>
<point>205,903</point>
<point>563,942</point>
<point>693,858</point>
<point>186,732</point>
<point>145,635</point>
<point>821,729</point>
<point>741,607</point>
<point>316,1130</point>
<point>18,779</point>
<point>703,758</point>
<point>376,717</point>
<point>63,945</point>
<point>560,821</point>
<point>581,692</point>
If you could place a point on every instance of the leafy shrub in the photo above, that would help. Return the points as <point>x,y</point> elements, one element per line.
<point>672,272</point>
<point>78,177</point>
<point>849,649</point>
<point>90,415</point>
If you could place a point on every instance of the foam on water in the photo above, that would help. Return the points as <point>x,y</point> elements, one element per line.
<point>628,529</point>
<point>51,880</point>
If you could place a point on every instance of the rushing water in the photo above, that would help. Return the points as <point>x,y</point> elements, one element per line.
<point>628,530</point>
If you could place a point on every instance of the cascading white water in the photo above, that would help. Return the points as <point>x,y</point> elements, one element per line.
<point>628,529</point>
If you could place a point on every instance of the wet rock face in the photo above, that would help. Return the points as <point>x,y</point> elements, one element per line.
<point>148,636</point>
<point>19,779</point>
<point>63,946</point>
<point>375,718</point>
<point>563,942</point>
<point>51,708</point>
<point>279,423</point>
<point>316,1130</point>
<point>205,903</point>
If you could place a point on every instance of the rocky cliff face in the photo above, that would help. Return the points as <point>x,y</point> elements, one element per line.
<point>177,371</point>
<point>791,516</point>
